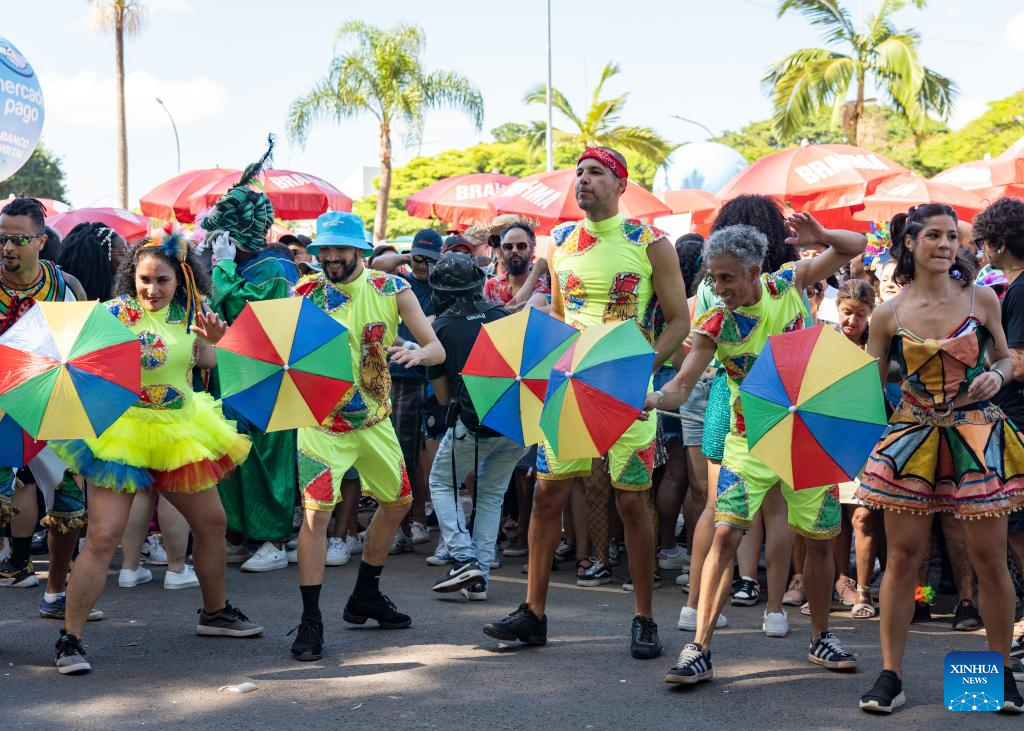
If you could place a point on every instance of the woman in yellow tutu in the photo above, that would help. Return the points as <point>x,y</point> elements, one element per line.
<point>173,440</point>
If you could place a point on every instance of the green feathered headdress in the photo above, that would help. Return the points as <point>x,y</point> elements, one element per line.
<point>244,211</point>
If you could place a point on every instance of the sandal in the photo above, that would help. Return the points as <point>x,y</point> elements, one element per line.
<point>863,610</point>
<point>846,589</point>
<point>581,569</point>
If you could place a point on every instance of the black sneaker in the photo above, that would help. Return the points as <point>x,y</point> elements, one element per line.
<point>309,643</point>
<point>228,622</point>
<point>475,592</point>
<point>885,696</point>
<point>39,544</point>
<point>627,585</point>
<point>966,617</point>
<point>18,578</point>
<point>522,625</point>
<point>565,552</point>
<point>70,655</point>
<point>644,643</point>
<point>380,608</point>
<point>829,653</point>
<point>922,612</point>
<point>458,576</point>
<point>748,591</point>
<point>1012,702</point>
<point>692,666</point>
<point>596,575</point>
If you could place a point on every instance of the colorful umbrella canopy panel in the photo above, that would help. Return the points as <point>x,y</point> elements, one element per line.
<point>17,447</point>
<point>68,370</point>
<point>284,364</point>
<point>507,371</point>
<point>813,407</point>
<point>596,390</point>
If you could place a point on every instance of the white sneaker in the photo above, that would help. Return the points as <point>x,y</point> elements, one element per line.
<point>186,579</point>
<point>355,545</point>
<point>402,543</point>
<point>673,560</point>
<point>153,551</point>
<point>684,580</point>
<point>337,552</point>
<point>775,624</point>
<point>128,578</point>
<point>688,620</point>
<point>237,553</point>
<point>292,554</point>
<point>268,557</point>
<point>440,557</point>
<point>5,551</point>
<point>419,533</point>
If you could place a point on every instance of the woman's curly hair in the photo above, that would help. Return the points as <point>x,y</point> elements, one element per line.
<point>124,283</point>
<point>1002,225</point>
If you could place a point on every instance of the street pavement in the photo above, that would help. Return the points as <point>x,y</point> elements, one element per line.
<point>151,670</point>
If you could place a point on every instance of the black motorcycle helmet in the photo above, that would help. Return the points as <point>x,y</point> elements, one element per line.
<point>457,272</point>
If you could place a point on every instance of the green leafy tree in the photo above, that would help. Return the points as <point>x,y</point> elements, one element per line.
<point>383,76</point>
<point>809,79</point>
<point>599,125</point>
<point>42,176</point>
<point>990,134</point>
<point>124,19</point>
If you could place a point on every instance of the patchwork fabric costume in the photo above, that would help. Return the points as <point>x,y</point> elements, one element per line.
<point>358,431</point>
<point>740,336</point>
<point>172,439</point>
<point>934,457</point>
<point>605,276</point>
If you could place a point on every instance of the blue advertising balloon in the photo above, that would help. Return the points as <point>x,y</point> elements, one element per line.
<point>21,109</point>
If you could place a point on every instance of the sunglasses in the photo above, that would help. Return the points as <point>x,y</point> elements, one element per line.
<point>18,239</point>
<point>518,246</point>
<point>420,259</point>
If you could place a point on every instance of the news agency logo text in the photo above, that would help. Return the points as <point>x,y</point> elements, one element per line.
<point>973,681</point>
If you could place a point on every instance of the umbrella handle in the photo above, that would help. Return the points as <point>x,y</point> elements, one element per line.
<point>673,414</point>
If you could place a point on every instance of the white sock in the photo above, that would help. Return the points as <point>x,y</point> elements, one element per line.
<point>48,597</point>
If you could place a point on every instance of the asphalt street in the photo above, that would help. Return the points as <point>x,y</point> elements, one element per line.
<point>150,668</point>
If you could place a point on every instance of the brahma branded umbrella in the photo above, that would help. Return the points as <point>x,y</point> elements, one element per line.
<point>170,200</point>
<point>293,195</point>
<point>461,200</point>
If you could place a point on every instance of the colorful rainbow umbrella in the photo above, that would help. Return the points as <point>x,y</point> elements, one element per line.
<point>813,407</point>
<point>68,370</point>
<point>596,390</point>
<point>17,447</point>
<point>507,371</point>
<point>284,364</point>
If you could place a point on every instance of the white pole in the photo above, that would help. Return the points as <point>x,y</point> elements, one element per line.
<point>550,136</point>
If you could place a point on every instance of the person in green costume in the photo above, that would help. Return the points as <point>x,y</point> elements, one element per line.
<point>259,497</point>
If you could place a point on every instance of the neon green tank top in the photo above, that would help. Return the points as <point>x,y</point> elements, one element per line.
<point>368,307</point>
<point>168,352</point>
<point>604,273</point>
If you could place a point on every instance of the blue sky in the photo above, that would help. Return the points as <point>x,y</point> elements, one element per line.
<point>228,71</point>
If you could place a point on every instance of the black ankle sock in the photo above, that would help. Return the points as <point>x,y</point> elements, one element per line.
<point>368,580</point>
<point>21,551</point>
<point>311,602</point>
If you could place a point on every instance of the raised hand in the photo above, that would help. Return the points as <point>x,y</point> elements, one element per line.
<point>209,327</point>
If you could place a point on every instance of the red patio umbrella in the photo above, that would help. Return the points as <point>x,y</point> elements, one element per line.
<point>1008,168</point>
<point>898,193</point>
<point>814,177</point>
<point>169,200</point>
<point>53,207</point>
<point>132,226</point>
<point>700,204</point>
<point>461,200</point>
<point>294,195</point>
<point>975,175</point>
<point>549,198</point>
<point>990,195</point>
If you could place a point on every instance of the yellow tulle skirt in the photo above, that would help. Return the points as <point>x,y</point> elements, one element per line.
<point>187,449</point>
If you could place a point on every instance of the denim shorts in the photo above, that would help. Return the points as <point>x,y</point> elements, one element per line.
<point>669,427</point>
<point>693,413</point>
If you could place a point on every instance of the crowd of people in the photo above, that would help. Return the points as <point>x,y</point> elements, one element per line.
<point>184,481</point>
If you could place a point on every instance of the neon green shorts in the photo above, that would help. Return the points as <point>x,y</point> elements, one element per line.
<point>743,482</point>
<point>325,457</point>
<point>630,459</point>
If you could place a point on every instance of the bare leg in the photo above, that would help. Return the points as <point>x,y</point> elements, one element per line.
<point>135,532</point>
<point>907,538</point>
<point>548,499</point>
<point>696,495</point>
<point>955,532</point>
<point>205,513</point>
<point>312,548</point>
<point>671,489</point>
<point>842,543</point>
<point>866,525</point>
<point>578,498</point>
<point>26,511</point>
<point>174,530</point>
<point>633,508</point>
<point>61,547</point>
<point>778,546</point>
<point>715,581</point>
<point>986,543</point>
<point>702,537</point>
<point>380,533</point>
<point>750,547</point>
<point>524,492</point>
<point>108,514</point>
<point>819,574</point>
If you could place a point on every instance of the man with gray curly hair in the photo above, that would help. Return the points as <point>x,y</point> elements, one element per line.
<point>752,307</point>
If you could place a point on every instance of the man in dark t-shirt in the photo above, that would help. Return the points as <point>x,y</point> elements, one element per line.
<point>467,445</point>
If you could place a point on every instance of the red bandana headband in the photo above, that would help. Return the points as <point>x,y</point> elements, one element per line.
<point>605,158</point>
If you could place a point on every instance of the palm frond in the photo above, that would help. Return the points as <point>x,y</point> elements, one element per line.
<point>641,140</point>
<point>803,82</point>
<point>447,88</point>
<point>538,95</point>
<point>610,69</point>
<point>131,15</point>
<point>826,14</point>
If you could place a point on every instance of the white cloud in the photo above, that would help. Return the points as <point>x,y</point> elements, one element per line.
<point>168,6</point>
<point>87,100</point>
<point>1014,33</point>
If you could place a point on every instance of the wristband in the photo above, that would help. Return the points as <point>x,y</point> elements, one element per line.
<point>661,397</point>
<point>1002,378</point>
<point>410,345</point>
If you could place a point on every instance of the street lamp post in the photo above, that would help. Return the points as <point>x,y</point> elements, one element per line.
<point>177,142</point>
<point>549,136</point>
<point>711,135</point>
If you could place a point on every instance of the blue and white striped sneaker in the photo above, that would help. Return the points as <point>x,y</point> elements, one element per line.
<point>829,653</point>
<point>692,666</point>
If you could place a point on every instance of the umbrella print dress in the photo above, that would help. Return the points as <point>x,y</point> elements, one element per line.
<point>172,438</point>
<point>934,457</point>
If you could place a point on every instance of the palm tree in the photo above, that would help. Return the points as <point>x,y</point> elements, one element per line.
<point>124,18</point>
<point>384,77</point>
<point>812,78</point>
<point>600,124</point>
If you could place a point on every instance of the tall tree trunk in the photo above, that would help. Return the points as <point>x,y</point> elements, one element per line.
<point>380,220</point>
<point>858,112</point>
<point>122,133</point>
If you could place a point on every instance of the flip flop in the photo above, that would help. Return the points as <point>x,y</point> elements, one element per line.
<point>863,610</point>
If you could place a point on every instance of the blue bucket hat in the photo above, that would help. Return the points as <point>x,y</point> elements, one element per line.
<point>337,228</point>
